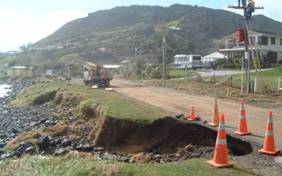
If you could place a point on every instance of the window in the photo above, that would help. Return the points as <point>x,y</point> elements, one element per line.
<point>263,40</point>
<point>197,58</point>
<point>280,41</point>
<point>273,42</point>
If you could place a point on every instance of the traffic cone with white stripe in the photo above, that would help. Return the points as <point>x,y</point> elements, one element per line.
<point>243,127</point>
<point>220,158</point>
<point>215,114</point>
<point>269,142</point>
<point>192,116</point>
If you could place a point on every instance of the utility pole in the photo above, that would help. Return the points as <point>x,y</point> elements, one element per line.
<point>247,56</point>
<point>164,51</point>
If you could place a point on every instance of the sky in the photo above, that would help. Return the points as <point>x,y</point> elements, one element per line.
<point>27,21</point>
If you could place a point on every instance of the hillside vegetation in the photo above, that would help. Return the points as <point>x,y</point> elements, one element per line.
<point>110,36</point>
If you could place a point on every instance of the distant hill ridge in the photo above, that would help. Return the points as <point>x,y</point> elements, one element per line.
<point>121,29</point>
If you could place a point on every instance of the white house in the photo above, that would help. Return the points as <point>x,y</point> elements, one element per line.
<point>266,46</point>
<point>213,57</point>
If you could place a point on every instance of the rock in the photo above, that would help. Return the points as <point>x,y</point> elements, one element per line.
<point>278,160</point>
<point>24,149</point>
<point>98,149</point>
<point>13,130</point>
<point>2,135</point>
<point>1,152</point>
<point>6,155</point>
<point>123,159</point>
<point>2,144</point>
<point>65,142</point>
<point>43,142</point>
<point>111,157</point>
<point>84,147</point>
<point>43,121</point>
<point>61,151</point>
<point>55,141</point>
<point>140,158</point>
<point>33,124</point>
<point>195,155</point>
<point>156,156</point>
<point>177,155</point>
<point>189,148</point>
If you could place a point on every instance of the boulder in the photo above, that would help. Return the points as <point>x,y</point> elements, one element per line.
<point>24,149</point>
<point>2,145</point>
<point>43,142</point>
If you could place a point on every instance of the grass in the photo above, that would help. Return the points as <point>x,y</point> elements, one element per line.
<point>178,73</point>
<point>267,78</point>
<point>181,73</point>
<point>30,94</point>
<point>114,104</point>
<point>275,73</point>
<point>76,166</point>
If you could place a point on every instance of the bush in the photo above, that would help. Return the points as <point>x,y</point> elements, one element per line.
<point>229,63</point>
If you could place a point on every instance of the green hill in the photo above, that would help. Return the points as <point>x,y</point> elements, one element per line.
<point>109,36</point>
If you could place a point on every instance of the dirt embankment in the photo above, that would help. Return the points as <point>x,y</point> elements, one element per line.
<point>162,136</point>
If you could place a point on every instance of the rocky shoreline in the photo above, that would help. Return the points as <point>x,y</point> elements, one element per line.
<point>14,121</point>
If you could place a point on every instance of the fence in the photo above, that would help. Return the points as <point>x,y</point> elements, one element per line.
<point>262,85</point>
<point>258,84</point>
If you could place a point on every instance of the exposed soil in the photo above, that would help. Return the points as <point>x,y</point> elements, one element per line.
<point>164,136</point>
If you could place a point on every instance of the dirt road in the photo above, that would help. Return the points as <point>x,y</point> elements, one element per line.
<point>178,102</point>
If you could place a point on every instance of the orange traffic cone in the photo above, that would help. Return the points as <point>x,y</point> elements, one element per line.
<point>192,116</point>
<point>220,158</point>
<point>269,143</point>
<point>243,127</point>
<point>215,114</point>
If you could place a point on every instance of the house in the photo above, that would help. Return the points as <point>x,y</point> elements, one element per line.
<point>213,57</point>
<point>20,71</point>
<point>266,46</point>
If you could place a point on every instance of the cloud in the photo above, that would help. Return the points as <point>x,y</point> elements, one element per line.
<point>272,8</point>
<point>20,27</point>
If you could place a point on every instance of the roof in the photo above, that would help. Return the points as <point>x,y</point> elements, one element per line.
<point>111,66</point>
<point>217,55</point>
<point>183,55</point>
<point>20,67</point>
<point>232,49</point>
<point>180,55</point>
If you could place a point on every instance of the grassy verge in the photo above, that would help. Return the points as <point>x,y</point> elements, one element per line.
<point>114,104</point>
<point>178,73</point>
<point>265,79</point>
<point>75,166</point>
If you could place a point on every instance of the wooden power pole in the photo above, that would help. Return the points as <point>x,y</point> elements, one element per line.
<point>247,56</point>
<point>164,50</point>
